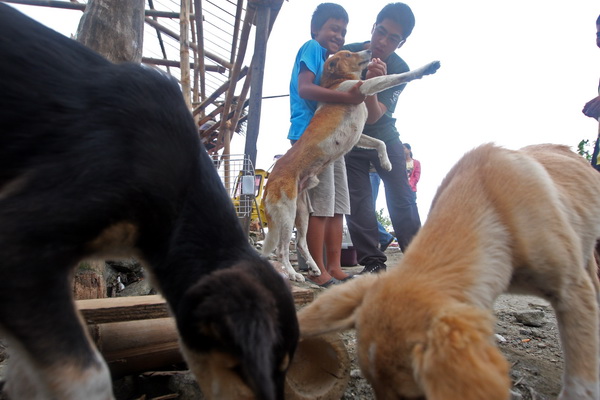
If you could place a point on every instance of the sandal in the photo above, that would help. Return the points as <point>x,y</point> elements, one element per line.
<point>330,282</point>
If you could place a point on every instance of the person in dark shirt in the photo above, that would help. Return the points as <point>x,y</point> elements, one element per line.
<point>392,27</point>
<point>592,107</point>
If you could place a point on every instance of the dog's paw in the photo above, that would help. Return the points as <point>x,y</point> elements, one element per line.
<point>297,277</point>
<point>431,68</point>
<point>314,271</point>
<point>386,164</point>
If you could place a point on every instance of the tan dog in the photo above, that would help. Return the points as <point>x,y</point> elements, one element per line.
<point>333,131</point>
<point>522,221</point>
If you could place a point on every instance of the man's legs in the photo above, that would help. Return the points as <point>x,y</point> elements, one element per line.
<point>399,196</point>
<point>385,238</point>
<point>362,222</point>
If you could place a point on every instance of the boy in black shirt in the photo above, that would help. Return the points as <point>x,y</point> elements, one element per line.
<point>393,25</point>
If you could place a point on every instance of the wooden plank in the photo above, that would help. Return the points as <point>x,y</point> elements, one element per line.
<point>302,296</point>
<point>133,308</point>
<point>119,309</point>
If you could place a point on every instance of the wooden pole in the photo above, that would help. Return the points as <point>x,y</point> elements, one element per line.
<point>257,71</point>
<point>200,41</point>
<point>114,28</point>
<point>184,43</point>
<point>226,133</point>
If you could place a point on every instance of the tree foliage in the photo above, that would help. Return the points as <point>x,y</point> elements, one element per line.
<point>383,219</point>
<point>585,149</point>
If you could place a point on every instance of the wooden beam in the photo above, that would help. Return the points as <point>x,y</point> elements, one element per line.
<point>67,5</point>
<point>217,93</point>
<point>175,36</point>
<point>172,63</point>
<point>132,308</point>
<point>119,309</point>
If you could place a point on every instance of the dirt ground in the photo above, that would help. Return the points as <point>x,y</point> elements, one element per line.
<point>533,352</point>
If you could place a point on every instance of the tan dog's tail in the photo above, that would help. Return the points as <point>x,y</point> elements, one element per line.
<point>270,241</point>
<point>336,309</point>
<point>280,209</point>
<point>271,237</point>
<point>459,357</point>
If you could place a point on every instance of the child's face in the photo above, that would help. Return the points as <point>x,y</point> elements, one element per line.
<point>386,37</point>
<point>332,35</point>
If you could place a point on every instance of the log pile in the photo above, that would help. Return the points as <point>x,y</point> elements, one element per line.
<point>137,334</point>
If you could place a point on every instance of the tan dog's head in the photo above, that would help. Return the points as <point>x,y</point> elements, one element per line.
<point>411,343</point>
<point>344,65</point>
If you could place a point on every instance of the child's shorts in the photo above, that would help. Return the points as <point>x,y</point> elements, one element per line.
<point>330,196</point>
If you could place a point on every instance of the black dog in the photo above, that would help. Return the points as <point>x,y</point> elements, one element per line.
<point>99,159</point>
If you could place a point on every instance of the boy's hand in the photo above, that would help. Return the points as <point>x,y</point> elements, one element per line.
<point>354,94</point>
<point>376,68</point>
<point>592,108</point>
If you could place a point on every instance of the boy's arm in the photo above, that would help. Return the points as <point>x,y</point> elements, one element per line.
<point>310,91</point>
<point>374,107</point>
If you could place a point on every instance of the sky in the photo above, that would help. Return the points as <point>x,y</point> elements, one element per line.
<point>514,72</point>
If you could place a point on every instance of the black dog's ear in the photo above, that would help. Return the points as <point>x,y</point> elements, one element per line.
<point>229,324</point>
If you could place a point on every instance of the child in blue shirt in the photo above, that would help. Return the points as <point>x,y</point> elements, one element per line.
<point>329,200</point>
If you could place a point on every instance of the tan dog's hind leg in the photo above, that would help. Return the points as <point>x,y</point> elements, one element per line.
<point>577,315</point>
<point>368,142</point>
<point>302,215</point>
<point>283,250</point>
<point>281,223</point>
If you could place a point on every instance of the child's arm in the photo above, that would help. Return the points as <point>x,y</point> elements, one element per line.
<point>309,91</point>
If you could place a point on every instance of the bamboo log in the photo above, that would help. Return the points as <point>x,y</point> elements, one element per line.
<point>320,369</point>
<point>137,346</point>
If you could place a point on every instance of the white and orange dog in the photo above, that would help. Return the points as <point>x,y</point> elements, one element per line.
<point>521,221</point>
<point>333,131</point>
